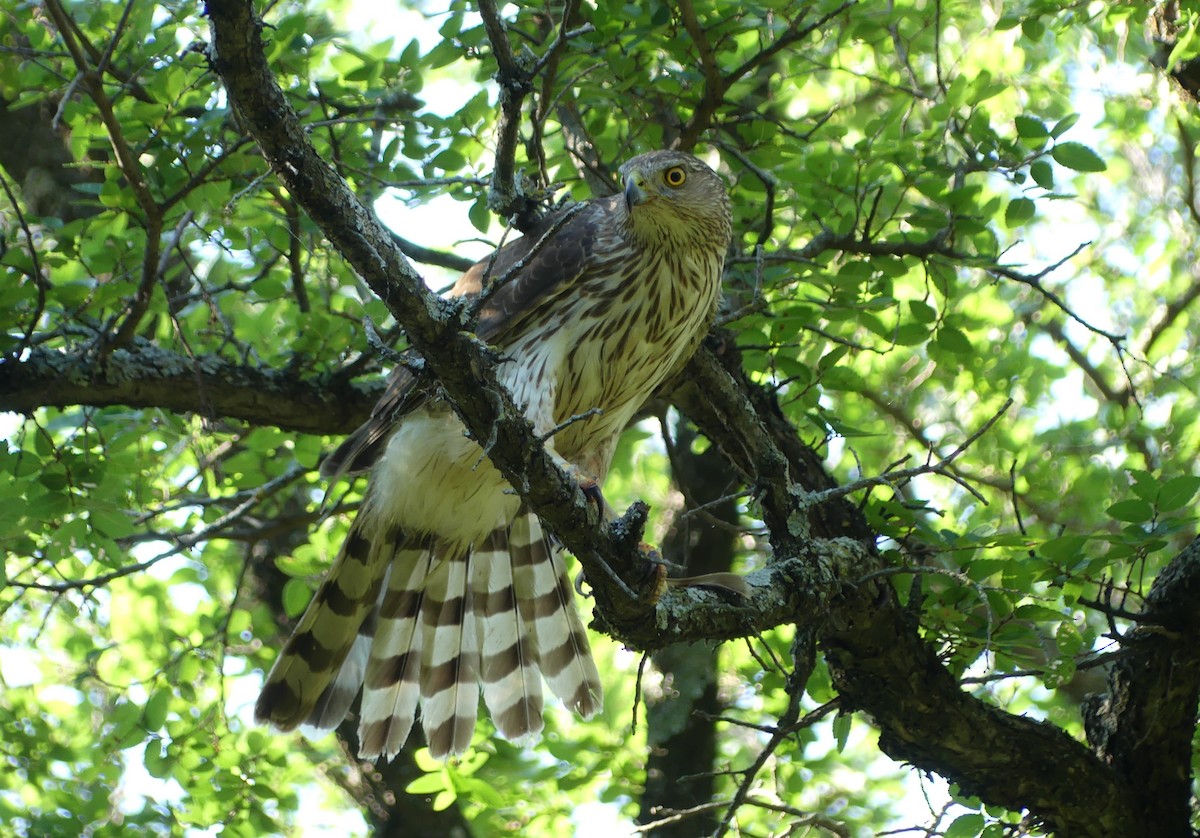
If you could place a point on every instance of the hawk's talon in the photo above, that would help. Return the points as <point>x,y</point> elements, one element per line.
<point>590,487</point>
<point>654,578</point>
<point>591,490</point>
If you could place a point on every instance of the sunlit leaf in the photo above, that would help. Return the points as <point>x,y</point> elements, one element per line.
<point>1077,156</point>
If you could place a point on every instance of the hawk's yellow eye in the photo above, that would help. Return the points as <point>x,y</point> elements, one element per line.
<point>674,176</point>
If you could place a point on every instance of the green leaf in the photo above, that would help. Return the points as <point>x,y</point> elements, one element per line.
<point>1177,492</point>
<point>427,783</point>
<point>831,358</point>
<point>1066,549</point>
<point>426,762</point>
<point>1145,485</point>
<point>954,340</point>
<point>965,826</point>
<point>911,334</point>
<point>157,760</point>
<point>1182,49</point>
<point>154,716</point>
<point>1043,174</point>
<point>841,729</point>
<point>114,523</point>
<point>922,311</point>
<point>480,215</point>
<point>1077,156</point>
<point>1019,211</point>
<point>1029,127</point>
<point>842,378</point>
<point>296,595</point>
<point>1068,639</point>
<point>1133,511</point>
<point>1038,614</point>
<point>1064,125</point>
<point>482,791</point>
<point>444,800</point>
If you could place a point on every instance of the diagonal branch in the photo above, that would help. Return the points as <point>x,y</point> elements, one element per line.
<point>874,650</point>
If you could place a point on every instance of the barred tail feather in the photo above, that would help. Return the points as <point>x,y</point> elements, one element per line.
<point>512,683</point>
<point>422,623</point>
<point>547,604</point>
<point>392,682</point>
<point>333,705</point>
<point>325,634</point>
<point>450,660</point>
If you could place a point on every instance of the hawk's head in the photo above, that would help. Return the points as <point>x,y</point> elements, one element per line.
<point>671,195</point>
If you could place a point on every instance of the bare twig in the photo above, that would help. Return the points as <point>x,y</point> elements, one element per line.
<point>894,477</point>
<point>1172,311</point>
<point>39,280</point>
<point>152,271</point>
<point>380,347</point>
<point>1034,281</point>
<point>429,256</point>
<point>571,420</point>
<point>1054,328</point>
<point>505,196</point>
<point>786,726</point>
<point>769,182</point>
<point>1090,661</point>
<point>183,542</point>
<point>295,253</point>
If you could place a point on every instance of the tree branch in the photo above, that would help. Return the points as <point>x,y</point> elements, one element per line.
<point>1144,726</point>
<point>877,658</point>
<point>146,376</point>
<point>505,196</point>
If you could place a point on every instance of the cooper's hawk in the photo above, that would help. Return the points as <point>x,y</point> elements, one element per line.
<point>446,585</point>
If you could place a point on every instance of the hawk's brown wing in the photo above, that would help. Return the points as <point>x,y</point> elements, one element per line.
<point>560,260</point>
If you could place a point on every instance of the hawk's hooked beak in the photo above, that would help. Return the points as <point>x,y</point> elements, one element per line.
<point>634,193</point>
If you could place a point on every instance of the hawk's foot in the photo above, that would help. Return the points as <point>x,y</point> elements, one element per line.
<point>591,490</point>
<point>654,580</point>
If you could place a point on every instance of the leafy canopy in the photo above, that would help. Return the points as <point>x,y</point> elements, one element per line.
<point>965,268</point>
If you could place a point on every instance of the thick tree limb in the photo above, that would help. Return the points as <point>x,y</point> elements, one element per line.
<point>147,376</point>
<point>878,660</point>
<point>1144,726</point>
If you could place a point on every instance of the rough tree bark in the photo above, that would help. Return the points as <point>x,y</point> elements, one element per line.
<point>144,375</point>
<point>1144,726</point>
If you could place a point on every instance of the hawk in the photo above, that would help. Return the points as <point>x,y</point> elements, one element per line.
<point>447,586</point>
